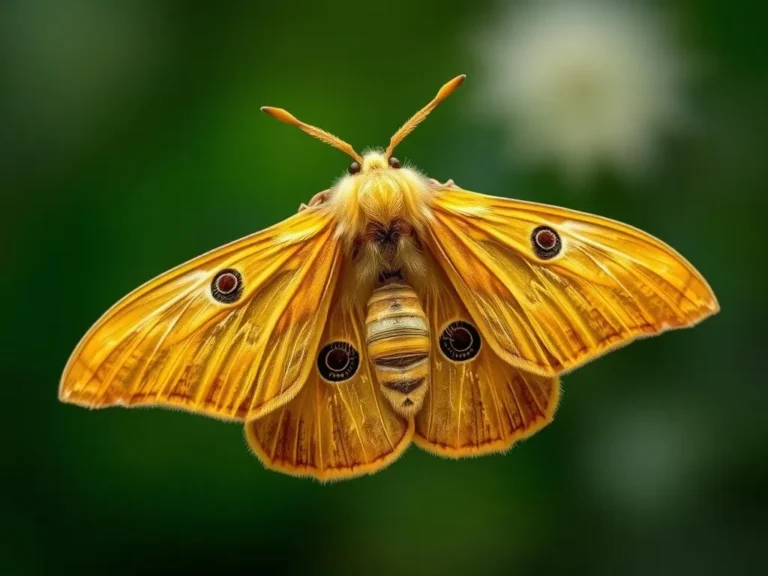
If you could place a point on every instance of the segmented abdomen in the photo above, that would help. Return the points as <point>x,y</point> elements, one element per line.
<point>398,345</point>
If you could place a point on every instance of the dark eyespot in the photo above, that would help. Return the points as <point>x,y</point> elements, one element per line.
<point>227,286</point>
<point>394,162</point>
<point>354,168</point>
<point>460,341</point>
<point>338,361</point>
<point>546,242</point>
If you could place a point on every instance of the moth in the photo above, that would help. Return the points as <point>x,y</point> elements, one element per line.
<point>391,309</point>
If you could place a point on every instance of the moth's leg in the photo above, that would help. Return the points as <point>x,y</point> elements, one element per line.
<point>448,183</point>
<point>318,198</point>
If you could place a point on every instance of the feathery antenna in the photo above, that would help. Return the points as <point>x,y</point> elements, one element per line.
<point>327,137</point>
<point>419,117</point>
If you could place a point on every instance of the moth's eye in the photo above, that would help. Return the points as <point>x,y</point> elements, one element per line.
<point>354,168</point>
<point>338,361</point>
<point>460,341</point>
<point>227,286</point>
<point>546,242</point>
<point>394,162</point>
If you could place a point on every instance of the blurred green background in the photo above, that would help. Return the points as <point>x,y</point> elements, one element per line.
<point>132,140</point>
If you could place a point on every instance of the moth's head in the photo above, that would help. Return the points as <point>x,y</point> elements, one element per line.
<point>379,189</point>
<point>372,161</point>
<point>376,189</point>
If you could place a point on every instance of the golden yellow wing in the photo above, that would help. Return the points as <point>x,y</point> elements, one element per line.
<point>551,289</point>
<point>476,404</point>
<point>339,426</point>
<point>231,334</point>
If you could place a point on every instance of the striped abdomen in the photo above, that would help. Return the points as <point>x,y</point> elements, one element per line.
<point>398,345</point>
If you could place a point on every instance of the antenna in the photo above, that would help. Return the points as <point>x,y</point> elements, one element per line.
<point>421,115</point>
<point>327,137</point>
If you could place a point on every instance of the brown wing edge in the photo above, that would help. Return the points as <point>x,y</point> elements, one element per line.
<point>499,446</point>
<point>332,474</point>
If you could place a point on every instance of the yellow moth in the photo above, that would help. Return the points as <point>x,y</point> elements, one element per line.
<point>391,309</point>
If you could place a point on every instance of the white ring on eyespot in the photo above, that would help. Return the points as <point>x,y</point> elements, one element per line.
<point>332,370</point>
<point>234,286</point>
<point>539,243</point>
<point>471,340</point>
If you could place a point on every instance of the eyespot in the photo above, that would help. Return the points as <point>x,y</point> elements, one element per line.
<point>338,361</point>
<point>227,286</point>
<point>354,168</point>
<point>460,341</point>
<point>546,242</point>
<point>394,162</point>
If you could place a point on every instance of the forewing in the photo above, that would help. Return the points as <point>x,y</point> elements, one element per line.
<point>609,284</point>
<point>333,431</point>
<point>172,343</point>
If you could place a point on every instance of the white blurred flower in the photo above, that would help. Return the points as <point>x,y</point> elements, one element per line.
<point>583,83</point>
